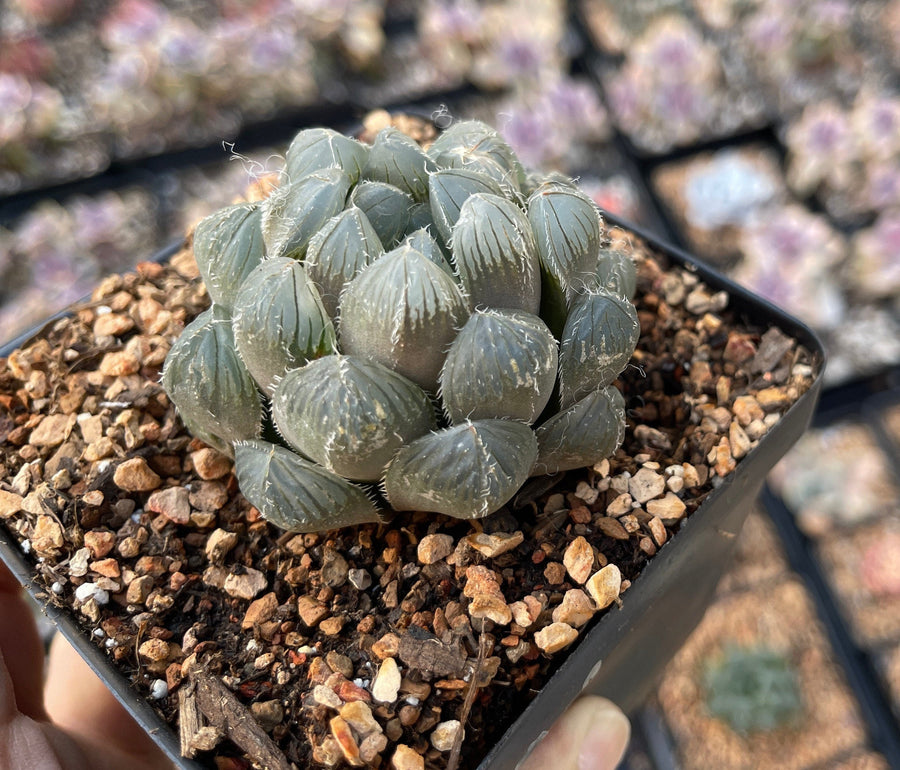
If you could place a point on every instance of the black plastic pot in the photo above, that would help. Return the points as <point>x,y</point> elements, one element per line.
<point>622,656</point>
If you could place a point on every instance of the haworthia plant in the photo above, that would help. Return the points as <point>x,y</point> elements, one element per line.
<point>295,212</point>
<point>467,471</point>
<point>434,324</point>
<point>512,358</point>
<point>227,246</point>
<point>379,412</point>
<point>215,393</point>
<point>280,321</point>
<point>599,336</point>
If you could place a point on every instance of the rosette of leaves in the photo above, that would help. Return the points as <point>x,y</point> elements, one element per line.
<point>752,689</point>
<point>423,328</point>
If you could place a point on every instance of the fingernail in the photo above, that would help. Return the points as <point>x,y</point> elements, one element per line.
<point>605,741</point>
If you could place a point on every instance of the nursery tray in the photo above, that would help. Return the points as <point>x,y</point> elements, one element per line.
<point>623,654</point>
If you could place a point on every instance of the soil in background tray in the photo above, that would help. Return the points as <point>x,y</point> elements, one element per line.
<point>140,530</point>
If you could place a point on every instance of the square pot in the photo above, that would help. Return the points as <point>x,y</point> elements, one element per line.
<point>621,655</point>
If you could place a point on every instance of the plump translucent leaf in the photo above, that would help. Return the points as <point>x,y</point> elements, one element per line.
<point>495,254</point>
<point>616,272</point>
<point>475,145</point>
<point>420,219</point>
<point>314,149</point>
<point>295,494</point>
<point>350,415</point>
<point>481,163</point>
<point>422,240</point>
<point>402,311</point>
<point>209,384</point>
<point>501,364</point>
<point>295,212</point>
<point>585,433</point>
<point>279,321</point>
<point>537,179</point>
<point>449,189</point>
<point>467,471</point>
<point>598,340</point>
<point>387,208</point>
<point>400,161</point>
<point>344,246</point>
<point>566,229</point>
<point>227,246</point>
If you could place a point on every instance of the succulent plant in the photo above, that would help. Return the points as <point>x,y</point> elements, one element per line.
<point>430,327</point>
<point>752,689</point>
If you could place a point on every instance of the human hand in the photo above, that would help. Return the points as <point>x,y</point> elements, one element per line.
<point>592,734</point>
<point>72,722</point>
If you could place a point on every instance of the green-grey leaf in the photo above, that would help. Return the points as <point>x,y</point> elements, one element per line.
<point>495,254</point>
<point>449,189</point>
<point>344,246</point>
<point>585,433</point>
<point>467,471</point>
<point>536,179</point>
<point>482,164</point>
<point>566,229</point>
<point>403,311</point>
<point>227,246</point>
<point>616,272</point>
<point>387,208</point>
<point>295,212</point>
<point>598,340</point>
<point>475,145</point>
<point>422,240</point>
<point>209,384</point>
<point>501,364</point>
<point>350,415</point>
<point>314,149</point>
<point>400,161</point>
<point>420,219</point>
<point>295,494</point>
<point>279,321</point>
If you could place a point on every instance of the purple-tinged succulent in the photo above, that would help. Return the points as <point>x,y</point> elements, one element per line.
<point>882,185</point>
<point>56,253</point>
<point>848,157</point>
<point>133,23</point>
<point>789,256</point>
<point>876,124</point>
<point>874,268</point>
<point>669,90</point>
<point>821,148</point>
<point>548,122</point>
<point>489,44</point>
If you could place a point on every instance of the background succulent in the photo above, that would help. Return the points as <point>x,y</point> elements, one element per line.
<point>436,324</point>
<point>752,689</point>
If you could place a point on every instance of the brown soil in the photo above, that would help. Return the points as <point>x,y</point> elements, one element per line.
<point>140,531</point>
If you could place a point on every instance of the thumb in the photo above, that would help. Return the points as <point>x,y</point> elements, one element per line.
<point>592,734</point>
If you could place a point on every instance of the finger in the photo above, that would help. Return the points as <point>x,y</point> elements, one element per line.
<point>80,703</point>
<point>22,651</point>
<point>592,734</point>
